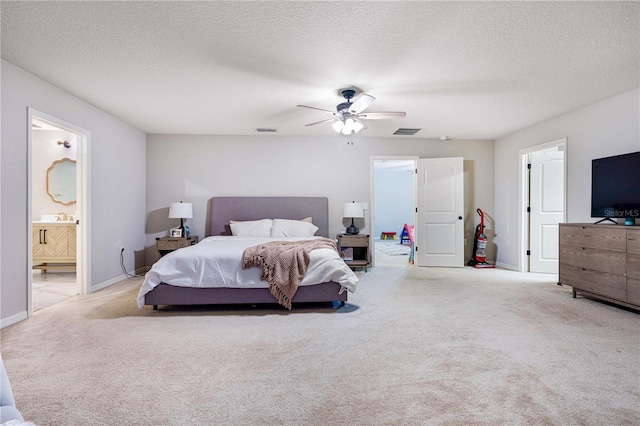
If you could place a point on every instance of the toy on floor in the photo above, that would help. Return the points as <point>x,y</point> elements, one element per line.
<point>407,237</point>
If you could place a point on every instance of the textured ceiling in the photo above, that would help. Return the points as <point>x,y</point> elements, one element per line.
<point>469,70</point>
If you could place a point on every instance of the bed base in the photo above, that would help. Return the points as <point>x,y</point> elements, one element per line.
<point>165,294</point>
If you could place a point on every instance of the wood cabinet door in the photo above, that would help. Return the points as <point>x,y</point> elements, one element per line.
<point>36,240</point>
<point>55,241</point>
<point>71,241</point>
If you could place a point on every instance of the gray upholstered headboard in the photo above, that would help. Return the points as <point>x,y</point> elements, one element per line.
<point>224,209</point>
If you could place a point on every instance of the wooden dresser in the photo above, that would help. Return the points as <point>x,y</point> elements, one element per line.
<point>602,261</point>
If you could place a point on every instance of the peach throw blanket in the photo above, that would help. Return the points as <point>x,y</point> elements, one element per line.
<point>283,264</point>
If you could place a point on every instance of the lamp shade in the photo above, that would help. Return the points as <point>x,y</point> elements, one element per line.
<point>353,210</point>
<point>180,211</point>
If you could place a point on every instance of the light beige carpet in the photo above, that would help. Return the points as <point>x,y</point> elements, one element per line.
<point>428,346</point>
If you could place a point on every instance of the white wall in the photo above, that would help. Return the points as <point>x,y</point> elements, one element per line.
<point>606,128</point>
<point>195,168</point>
<point>117,182</point>
<point>394,200</point>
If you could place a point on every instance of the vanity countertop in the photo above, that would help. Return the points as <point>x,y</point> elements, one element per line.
<point>60,222</point>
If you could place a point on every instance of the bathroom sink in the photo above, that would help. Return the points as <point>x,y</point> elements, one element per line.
<point>54,218</point>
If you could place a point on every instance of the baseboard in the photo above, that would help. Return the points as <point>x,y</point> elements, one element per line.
<point>507,266</point>
<point>119,278</point>
<point>107,283</point>
<point>20,316</point>
<point>143,270</point>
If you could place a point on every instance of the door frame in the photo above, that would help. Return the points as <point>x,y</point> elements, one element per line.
<point>524,195</point>
<point>83,203</point>
<point>372,203</point>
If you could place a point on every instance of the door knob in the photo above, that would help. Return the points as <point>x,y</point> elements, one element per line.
<point>459,217</point>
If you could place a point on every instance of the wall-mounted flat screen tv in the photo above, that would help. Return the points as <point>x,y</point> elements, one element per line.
<point>615,186</point>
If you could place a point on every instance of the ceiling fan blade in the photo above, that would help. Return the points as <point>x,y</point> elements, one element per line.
<point>318,122</point>
<point>319,109</point>
<point>361,103</point>
<point>381,115</point>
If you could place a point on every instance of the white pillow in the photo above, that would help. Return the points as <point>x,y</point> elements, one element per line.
<point>251,228</point>
<point>292,228</point>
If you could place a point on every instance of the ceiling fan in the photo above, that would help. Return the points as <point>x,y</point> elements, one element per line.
<point>349,115</point>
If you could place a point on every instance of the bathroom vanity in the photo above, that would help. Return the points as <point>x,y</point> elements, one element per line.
<point>54,245</point>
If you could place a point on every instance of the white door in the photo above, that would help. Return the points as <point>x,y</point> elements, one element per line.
<point>439,229</point>
<point>547,209</point>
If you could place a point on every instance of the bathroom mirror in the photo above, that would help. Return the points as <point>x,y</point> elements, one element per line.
<point>61,181</point>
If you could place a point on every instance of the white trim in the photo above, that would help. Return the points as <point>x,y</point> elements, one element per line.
<point>20,316</point>
<point>108,283</point>
<point>83,254</point>
<point>372,200</point>
<point>508,266</point>
<point>523,237</point>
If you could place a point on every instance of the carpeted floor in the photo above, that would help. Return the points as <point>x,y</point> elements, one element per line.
<point>429,346</point>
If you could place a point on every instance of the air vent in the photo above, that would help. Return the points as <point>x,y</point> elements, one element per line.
<point>266,130</point>
<point>406,132</point>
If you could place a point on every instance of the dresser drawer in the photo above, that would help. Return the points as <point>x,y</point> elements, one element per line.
<point>353,241</point>
<point>604,284</point>
<point>633,241</point>
<point>633,266</point>
<point>169,243</point>
<point>605,238</point>
<point>633,291</point>
<point>598,260</point>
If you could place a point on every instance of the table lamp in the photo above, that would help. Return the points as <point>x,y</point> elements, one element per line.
<point>353,210</point>
<point>181,211</point>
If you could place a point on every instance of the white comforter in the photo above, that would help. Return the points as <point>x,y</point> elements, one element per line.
<point>217,262</point>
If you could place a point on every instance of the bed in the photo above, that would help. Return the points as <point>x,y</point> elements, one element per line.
<point>172,284</point>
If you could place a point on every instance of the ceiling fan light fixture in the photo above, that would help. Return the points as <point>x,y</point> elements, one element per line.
<point>348,115</point>
<point>349,125</point>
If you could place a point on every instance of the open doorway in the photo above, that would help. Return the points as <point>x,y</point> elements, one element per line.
<point>58,211</point>
<point>393,206</point>
<point>543,206</point>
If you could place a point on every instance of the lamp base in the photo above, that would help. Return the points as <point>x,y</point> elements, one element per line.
<point>352,230</point>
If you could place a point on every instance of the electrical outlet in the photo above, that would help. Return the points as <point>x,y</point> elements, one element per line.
<point>121,249</point>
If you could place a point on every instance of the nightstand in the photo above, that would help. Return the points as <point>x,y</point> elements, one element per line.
<point>169,244</point>
<point>354,249</point>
